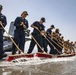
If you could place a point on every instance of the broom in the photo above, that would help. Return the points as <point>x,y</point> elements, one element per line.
<point>40,54</point>
<point>68,55</point>
<point>49,41</point>
<point>12,57</point>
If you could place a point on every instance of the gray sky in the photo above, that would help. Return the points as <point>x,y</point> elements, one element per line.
<point>61,13</point>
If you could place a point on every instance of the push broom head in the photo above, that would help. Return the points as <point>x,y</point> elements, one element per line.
<point>13,57</point>
<point>43,55</point>
<point>65,55</point>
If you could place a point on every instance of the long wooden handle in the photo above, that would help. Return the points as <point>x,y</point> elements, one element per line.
<point>12,39</point>
<point>38,44</point>
<point>53,45</point>
<point>56,43</point>
<point>60,45</point>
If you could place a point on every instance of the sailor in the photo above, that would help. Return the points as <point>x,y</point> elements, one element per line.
<point>60,42</point>
<point>3,22</point>
<point>71,47</point>
<point>21,25</point>
<point>37,26</point>
<point>55,41</point>
<point>75,46</point>
<point>49,31</point>
<point>66,46</point>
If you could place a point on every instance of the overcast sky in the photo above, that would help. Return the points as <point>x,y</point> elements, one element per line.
<point>61,13</point>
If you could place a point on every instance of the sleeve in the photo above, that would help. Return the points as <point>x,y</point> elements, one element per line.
<point>47,31</point>
<point>35,23</point>
<point>4,21</point>
<point>17,22</point>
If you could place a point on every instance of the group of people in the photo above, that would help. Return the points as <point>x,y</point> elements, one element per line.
<point>69,46</point>
<point>39,36</point>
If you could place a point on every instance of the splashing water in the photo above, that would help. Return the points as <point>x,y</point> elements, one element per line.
<point>38,66</point>
<point>35,61</point>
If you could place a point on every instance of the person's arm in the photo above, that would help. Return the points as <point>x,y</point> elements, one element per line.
<point>53,36</point>
<point>17,22</point>
<point>4,21</point>
<point>27,25</point>
<point>48,32</point>
<point>43,33</point>
<point>34,26</point>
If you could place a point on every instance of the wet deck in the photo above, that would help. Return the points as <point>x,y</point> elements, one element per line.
<point>54,66</point>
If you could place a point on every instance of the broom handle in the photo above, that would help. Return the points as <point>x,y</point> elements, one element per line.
<point>52,45</point>
<point>55,42</point>
<point>50,42</point>
<point>12,39</point>
<point>37,44</point>
<point>59,43</point>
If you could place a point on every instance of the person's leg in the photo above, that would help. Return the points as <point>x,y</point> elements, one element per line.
<point>45,45</point>
<point>31,47</point>
<point>50,45</point>
<point>56,51</point>
<point>59,48</point>
<point>16,40</point>
<point>1,43</point>
<point>22,42</point>
<point>39,40</point>
<point>51,49</point>
<point>1,46</point>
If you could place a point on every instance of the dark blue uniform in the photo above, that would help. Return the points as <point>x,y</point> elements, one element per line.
<point>19,34</point>
<point>49,31</point>
<point>36,34</point>
<point>44,44</point>
<point>4,22</point>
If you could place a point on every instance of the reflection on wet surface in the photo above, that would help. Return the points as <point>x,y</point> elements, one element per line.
<point>46,67</point>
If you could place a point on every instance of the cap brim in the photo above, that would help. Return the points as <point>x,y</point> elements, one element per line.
<point>26,14</point>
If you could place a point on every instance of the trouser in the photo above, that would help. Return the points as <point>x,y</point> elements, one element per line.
<point>60,46</point>
<point>44,44</point>
<point>32,43</point>
<point>57,50</point>
<point>50,45</point>
<point>19,38</point>
<point>1,42</point>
